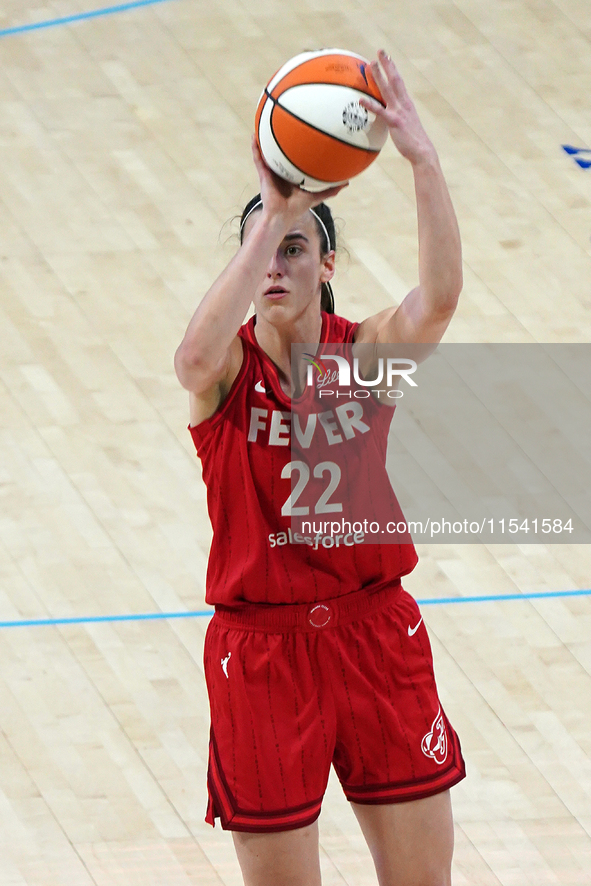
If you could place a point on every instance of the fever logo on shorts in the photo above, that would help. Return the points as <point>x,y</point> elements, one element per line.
<point>434,744</point>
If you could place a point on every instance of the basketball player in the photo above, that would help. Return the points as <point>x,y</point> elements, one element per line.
<point>315,655</point>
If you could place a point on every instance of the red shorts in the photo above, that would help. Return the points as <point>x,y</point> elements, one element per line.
<point>293,689</point>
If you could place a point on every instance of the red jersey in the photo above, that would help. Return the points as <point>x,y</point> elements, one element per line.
<point>258,479</point>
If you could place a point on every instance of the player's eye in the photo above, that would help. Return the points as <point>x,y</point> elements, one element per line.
<point>293,250</point>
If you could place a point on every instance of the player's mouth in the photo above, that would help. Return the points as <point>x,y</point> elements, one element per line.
<point>275,292</point>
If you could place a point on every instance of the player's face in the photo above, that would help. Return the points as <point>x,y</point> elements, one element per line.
<point>296,272</point>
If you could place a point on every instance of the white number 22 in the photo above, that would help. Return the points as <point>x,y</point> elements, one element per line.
<point>323,506</point>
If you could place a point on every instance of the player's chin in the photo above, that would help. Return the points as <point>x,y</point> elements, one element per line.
<point>275,306</point>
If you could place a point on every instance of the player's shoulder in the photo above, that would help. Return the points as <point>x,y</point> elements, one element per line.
<point>339,329</point>
<point>246,334</point>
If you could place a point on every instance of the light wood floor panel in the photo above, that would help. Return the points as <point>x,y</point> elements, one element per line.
<point>124,155</point>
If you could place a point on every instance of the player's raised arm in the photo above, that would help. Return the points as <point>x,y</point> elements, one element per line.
<point>210,351</point>
<point>424,314</point>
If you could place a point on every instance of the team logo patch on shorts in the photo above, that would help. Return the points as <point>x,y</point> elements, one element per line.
<point>434,744</point>
<point>225,664</point>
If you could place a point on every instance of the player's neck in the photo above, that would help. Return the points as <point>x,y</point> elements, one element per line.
<point>276,340</point>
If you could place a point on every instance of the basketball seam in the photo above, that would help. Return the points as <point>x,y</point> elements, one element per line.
<point>315,128</point>
<point>319,83</point>
<point>277,145</point>
<point>306,60</point>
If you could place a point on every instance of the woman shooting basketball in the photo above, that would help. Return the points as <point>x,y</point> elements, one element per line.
<point>316,655</point>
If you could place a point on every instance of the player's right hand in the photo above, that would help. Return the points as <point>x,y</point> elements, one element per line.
<point>283,198</point>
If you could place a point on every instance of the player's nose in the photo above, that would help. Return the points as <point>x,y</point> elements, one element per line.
<point>276,267</point>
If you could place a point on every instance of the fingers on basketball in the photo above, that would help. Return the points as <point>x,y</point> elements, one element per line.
<point>308,122</point>
<point>388,79</point>
<point>331,192</point>
<point>370,104</point>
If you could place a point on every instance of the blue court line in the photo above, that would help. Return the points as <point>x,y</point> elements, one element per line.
<point>494,598</point>
<point>96,619</point>
<point>78,17</point>
<point>159,616</point>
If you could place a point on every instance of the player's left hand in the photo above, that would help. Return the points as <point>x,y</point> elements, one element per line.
<point>400,114</point>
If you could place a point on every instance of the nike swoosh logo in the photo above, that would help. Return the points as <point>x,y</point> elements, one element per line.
<point>412,631</point>
<point>260,387</point>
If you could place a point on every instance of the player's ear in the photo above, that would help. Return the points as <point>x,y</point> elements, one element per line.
<point>328,266</point>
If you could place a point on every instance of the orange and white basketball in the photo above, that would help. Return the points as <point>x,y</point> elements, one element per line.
<point>309,125</point>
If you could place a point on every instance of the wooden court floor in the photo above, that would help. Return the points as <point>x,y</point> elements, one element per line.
<point>124,155</point>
